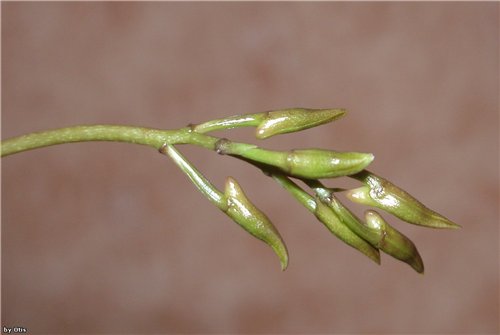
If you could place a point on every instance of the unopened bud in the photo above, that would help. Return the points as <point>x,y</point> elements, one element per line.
<point>295,119</point>
<point>383,194</point>
<point>328,217</point>
<point>250,218</point>
<point>317,163</point>
<point>394,243</point>
<point>308,163</point>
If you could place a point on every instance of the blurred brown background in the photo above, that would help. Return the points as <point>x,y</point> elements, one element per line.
<point>113,238</point>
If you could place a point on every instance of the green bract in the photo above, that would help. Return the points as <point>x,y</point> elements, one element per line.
<point>383,194</point>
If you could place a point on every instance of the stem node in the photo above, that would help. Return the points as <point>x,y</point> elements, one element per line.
<point>221,146</point>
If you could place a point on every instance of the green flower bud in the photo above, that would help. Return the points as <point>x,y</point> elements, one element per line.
<point>295,119</point>
<point>250,218</point>
<point>376,231</point>
<point>309,163</point>
<point>392,242</point>
<point>317,163</point>
<point>273,122</point>
<point>382,194</point>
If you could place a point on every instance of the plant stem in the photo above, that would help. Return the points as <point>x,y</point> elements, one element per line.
<point>155,138</point>
<point>237,121</point>
<point>202,184</point>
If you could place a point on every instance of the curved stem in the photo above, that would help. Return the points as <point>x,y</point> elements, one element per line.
<point>155,138</point>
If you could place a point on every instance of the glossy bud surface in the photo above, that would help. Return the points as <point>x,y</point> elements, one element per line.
<point>383,194</point>
<point>394,243</point>
<point>295,119</point>
<point>254,221</point>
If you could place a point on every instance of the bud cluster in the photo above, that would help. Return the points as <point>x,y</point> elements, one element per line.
<point>309,165</point>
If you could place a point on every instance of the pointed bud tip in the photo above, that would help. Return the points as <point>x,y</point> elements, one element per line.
<point>328,114</point>
<point>281,251</point>
<point>360,160</point>
<point>417,264</point>
<point>368,158</point>
<point>446,223</point>
<point>339,112</point>
<point>283,261</point>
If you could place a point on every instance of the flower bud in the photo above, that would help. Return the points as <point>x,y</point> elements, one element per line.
<point>317,163</point>
<point>376,231</point>
<point>392,242</point>
<point>382,194</point>
<point>295,119</point>
<point>309,163</point>
<point>250,218</point>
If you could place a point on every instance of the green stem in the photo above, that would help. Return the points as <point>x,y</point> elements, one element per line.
<point>237,121</point>
<point>298,193</point>
<point>199,180</point>
<point>155,138</point>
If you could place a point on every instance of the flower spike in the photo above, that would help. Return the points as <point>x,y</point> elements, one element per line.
<point>308,165</point>
<point>383,194</point>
